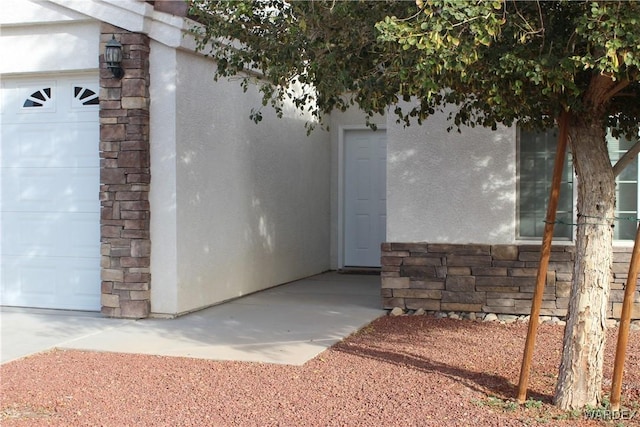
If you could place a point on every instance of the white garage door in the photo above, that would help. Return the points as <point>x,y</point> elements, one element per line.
<point>50,223</point>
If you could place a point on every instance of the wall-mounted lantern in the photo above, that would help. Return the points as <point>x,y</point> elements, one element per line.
<point>113,57</point>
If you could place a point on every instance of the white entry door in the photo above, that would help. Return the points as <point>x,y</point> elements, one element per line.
<point>365,212</point>
<point>50,213</point>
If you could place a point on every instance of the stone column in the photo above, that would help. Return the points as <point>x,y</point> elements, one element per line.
<point>124,179</point>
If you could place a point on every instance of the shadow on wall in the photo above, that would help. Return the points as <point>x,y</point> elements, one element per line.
<point>252,199</point>
<point>451,187</point>
<point>499,187</point>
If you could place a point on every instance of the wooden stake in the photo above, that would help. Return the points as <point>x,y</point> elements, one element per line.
<point>625,321</point>
<point>545,254</point>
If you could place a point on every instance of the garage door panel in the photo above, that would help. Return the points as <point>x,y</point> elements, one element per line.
<point>29,101</point>
<point>27,190</point>
<point>81,190</point>
<point>82,231</point>
<point>31,146</point>
<point>23,283</point>
<point>76,283</point>
<point>50,190</point>
<point>45,282</point>
<point>51,145</point>
<point>29,235</point>
<point>83,275</point>
<point>37,279</point>
<point>51,234</point>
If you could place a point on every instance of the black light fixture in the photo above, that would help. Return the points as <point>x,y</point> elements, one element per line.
<point>113,57</point>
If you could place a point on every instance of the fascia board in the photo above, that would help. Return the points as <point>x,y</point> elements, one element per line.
<point>129,15</point>
<point>134,16</point>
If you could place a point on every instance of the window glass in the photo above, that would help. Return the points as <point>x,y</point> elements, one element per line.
<point>626,190</point>
<point>84,96</point>
<point>536,156</point>
<point>39,98</point>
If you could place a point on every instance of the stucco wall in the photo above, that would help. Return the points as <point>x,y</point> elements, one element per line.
<point>251,201</point>
<point>40,37</point>
<point>450,187</point>
<point>162,194</point>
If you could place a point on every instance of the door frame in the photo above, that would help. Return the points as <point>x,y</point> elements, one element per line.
<point>342,131</point>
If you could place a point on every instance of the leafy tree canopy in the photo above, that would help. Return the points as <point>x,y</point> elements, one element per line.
<point>497,61</point>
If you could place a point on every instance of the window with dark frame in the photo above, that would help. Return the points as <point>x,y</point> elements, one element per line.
<point>536,154</point>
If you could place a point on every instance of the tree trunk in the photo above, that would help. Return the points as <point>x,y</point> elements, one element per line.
<point>580,377</point>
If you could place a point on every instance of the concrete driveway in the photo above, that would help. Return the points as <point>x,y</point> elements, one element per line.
<point>288,324</point>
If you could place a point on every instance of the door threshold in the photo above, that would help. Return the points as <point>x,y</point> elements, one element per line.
<point>374,271</point>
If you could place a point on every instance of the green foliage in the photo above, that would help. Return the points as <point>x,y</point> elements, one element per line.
<point>496,402</point>
<point>524,61</point>
<point>532,404</point>
<point>318,55</point>
<point>497,61</point>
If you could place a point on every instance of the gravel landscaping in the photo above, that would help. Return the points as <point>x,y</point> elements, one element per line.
<point>418,370</point>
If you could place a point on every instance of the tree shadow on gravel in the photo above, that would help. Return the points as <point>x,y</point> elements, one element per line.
<point>376,346</point>
<point>480,382</point>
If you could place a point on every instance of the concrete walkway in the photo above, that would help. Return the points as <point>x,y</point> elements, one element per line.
<point>289,324</point>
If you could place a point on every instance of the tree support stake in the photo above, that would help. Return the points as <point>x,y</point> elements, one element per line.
<point>545,254</point>
<point>625,322</point>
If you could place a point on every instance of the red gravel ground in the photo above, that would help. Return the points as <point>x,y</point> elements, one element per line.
<point>398,371</point>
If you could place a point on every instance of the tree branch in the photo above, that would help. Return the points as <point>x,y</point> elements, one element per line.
<point>617,88</point>
<point>626,159</point>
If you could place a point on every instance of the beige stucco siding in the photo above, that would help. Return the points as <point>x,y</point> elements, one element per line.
<point>252,201</point>
<point>450,187</point>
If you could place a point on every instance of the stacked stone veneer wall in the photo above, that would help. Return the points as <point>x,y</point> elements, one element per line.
<point>125,178</point>
<point>487,278</point>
